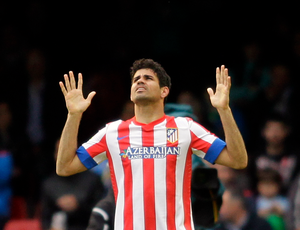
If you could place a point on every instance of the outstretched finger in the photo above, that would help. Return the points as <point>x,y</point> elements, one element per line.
<point>72,80</point>
<point>225,76</point>
<point>63,89</point>
<point>222,74</point>
<point>67,82</point>
<point>210,92</point>
<point>80,81</point>
<point>90,96</point>
<point>218,75</point>
<point>229,82</point>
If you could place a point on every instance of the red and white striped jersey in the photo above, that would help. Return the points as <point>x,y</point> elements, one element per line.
<point>151,167</point>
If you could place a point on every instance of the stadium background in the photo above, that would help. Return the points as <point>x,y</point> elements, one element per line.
<point>189,38</point>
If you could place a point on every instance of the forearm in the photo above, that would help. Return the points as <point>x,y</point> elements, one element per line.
<point>67,146</point>
<point>235,145</point>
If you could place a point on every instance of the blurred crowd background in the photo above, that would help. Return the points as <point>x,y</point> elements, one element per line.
<point>40,41</point>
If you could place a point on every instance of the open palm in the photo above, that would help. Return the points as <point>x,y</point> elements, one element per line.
<point>220,98</point>
<point>75,101</point>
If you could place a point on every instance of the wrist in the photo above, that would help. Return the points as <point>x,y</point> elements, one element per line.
<point>224,109</point>
<point>75,114</point>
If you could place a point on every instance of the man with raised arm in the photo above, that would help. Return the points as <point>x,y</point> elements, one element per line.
<point>150,155</point>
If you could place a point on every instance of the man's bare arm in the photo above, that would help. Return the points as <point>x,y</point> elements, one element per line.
<point>234,155</point>
<point>67,162</point>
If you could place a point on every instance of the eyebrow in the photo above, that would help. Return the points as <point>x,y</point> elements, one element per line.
<point>146,75</point>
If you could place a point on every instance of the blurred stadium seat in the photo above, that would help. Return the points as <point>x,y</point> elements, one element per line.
<point>23,224</point>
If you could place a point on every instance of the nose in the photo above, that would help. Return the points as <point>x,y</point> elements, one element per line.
<point>140,80</point>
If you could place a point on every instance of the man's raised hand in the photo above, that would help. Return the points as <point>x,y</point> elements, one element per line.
<point>75,101</point>
<point>220,99</point>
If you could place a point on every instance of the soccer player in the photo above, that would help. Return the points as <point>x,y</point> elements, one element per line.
<point>150,155</point>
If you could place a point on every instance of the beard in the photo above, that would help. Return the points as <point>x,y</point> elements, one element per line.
<point>141,99</point>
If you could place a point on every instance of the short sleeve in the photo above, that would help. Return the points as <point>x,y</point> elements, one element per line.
<point>204,143</point>
<point>93,152</point>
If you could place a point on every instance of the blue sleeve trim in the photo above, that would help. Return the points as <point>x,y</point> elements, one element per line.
<point>85,158</point>
<point>214,151</point>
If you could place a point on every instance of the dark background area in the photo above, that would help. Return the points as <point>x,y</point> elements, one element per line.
<point>189,38</point>
<point>101,39</point>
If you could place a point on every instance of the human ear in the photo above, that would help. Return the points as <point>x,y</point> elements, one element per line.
<point>164,92</point>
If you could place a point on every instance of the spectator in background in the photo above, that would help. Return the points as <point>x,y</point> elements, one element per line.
<point>277,96</point>
<point>232,178</point>
<point>235,214</point>
<point>38,102</point>
<point>6,163</point>
<point>15,177</point>
<point>292,217</point>
<point>276,152</point>
<point>5,125</point>
<point>103,214</point>
<point>36,66</point>
<point>67,202</point>
<point>270,203</point>
<point>6,170</point>
<point>253,71</point>
<point>36,119</point>
<point>188,98</point>
<point>296,202</point>
<point>237,180</point>
<point>35,107</point>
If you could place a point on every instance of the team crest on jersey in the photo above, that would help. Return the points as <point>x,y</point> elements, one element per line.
<point>172,135</point>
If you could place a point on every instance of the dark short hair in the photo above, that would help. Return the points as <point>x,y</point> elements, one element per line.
<point>163,77</point>
<point>277,117</point>
<point>269,175</point>
<point>237,194</point>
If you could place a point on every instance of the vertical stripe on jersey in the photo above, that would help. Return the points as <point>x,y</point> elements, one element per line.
<point>160,139</point>
<point>171,181</point>
<point>148,169</point>
<point>187,191</point>
<point>123,134</point>
<point>116,171</point>
<point>137,179</point>
<point>183,173</point>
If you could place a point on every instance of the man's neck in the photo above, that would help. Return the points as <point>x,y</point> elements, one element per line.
<point>148,113</point>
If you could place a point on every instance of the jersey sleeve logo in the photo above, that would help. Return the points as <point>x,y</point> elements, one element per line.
<point>172,135</point>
